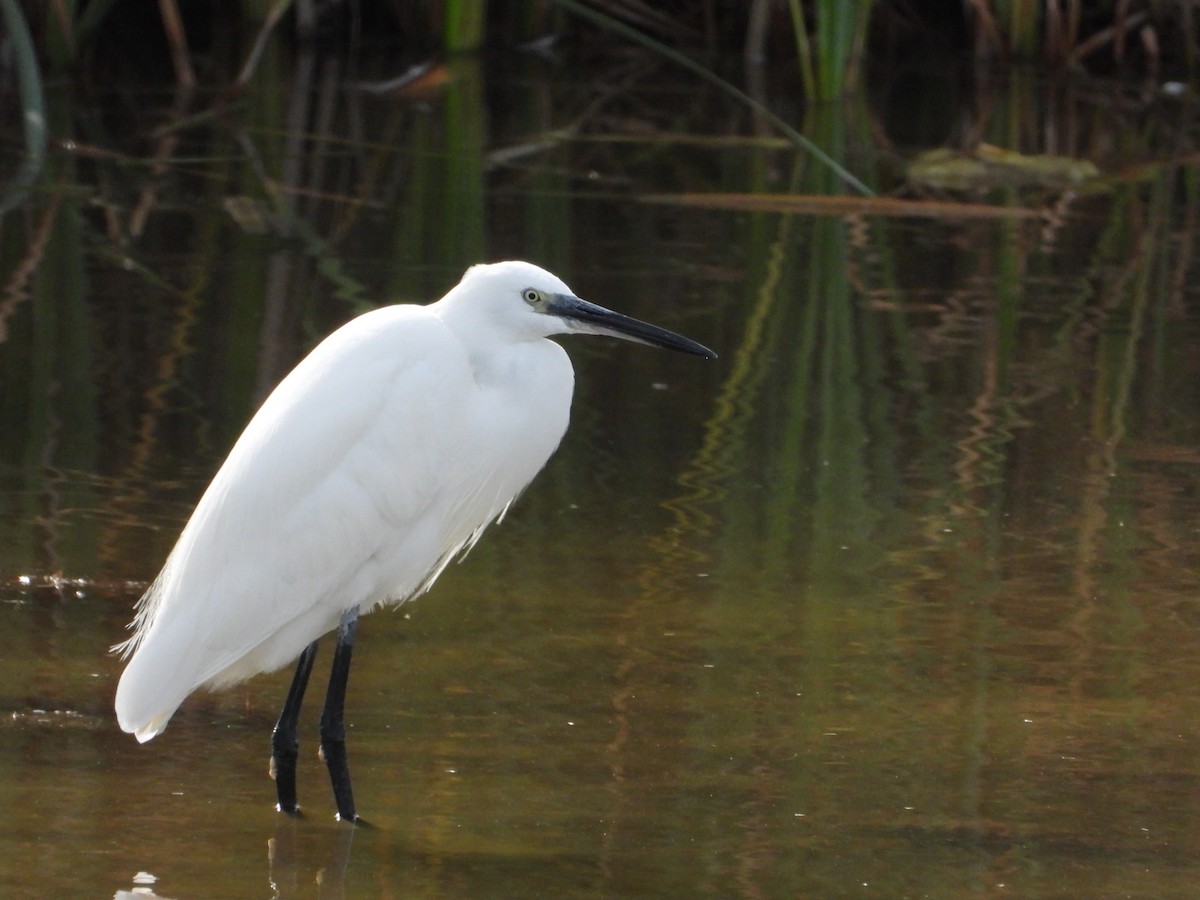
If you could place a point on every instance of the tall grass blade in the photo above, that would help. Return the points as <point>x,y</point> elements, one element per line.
<point>712,78</point>
<point>463,24</point>
<point>803,47</point>
<point>33,105</point>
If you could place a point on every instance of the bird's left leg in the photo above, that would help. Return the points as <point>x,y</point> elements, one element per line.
<point>285,746</point>
<point>333,727</point>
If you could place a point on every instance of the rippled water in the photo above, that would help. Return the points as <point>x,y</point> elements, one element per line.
<point>899,596</point>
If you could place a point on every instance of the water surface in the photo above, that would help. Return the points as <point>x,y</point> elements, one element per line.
<point>896,598</point>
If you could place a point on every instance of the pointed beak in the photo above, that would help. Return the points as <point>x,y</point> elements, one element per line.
<point>592,319</point>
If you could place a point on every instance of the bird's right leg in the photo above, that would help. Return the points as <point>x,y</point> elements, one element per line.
<point>285,745</point>
<point>333,726</point>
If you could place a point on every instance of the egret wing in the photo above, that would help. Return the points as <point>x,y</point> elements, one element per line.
<point>324,495</point>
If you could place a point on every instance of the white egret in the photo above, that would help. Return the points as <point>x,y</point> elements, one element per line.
<point>381,457</point>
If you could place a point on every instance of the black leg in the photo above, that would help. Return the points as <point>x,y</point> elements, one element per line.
<point>333,726</point>
<point>285,745</point>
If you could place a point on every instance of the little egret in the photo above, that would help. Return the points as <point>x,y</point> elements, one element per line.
<point>381,457</point>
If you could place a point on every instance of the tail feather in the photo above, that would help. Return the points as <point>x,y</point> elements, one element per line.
<point>150,690</point>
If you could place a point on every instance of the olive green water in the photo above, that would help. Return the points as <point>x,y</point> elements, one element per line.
<point>899,597</point>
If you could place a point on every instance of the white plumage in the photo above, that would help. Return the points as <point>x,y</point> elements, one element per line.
<point>382,455</point>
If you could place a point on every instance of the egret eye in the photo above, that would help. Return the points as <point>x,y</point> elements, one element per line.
<point>531,296</point>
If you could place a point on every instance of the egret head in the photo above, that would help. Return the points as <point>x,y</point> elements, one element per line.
<point>528,300</point>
